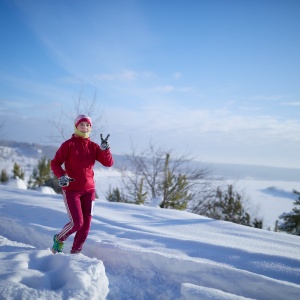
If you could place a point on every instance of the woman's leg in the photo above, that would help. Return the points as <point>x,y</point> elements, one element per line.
<point>74,210</point>
<point>87,201</point>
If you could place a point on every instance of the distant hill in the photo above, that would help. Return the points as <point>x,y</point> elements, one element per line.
<point>30,150</point>
<point>28,154</point>
<point>12,150</point>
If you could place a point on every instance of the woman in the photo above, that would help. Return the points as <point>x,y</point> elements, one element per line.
<point>78,155</point>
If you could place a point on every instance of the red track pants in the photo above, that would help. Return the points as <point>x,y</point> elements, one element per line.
<point>79,207</point>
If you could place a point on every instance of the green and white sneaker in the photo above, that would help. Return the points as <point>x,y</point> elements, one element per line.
<point>57,246</point>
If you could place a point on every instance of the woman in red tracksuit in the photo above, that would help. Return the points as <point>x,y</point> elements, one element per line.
<point>78,155</point>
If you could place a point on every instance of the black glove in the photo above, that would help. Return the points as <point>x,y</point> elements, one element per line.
<point>64,180</point>
<point>104,143</point>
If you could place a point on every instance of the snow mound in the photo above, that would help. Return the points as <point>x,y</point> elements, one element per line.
<point>17,183</point>
<point>46,190</point>
<point>39,274</point>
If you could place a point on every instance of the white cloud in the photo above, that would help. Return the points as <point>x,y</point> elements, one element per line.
<point>172,88</point>
<point>212,135</point>
<point>177,75</point>
<point>268,98</point>
<point>127,75</point>
<point>166,88</point>
<point>250,108</point>
<point>37,90</point>
<point>205,122</point>
<point>291,103</point>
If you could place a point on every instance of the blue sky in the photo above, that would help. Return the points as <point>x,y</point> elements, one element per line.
<point>219,79</point>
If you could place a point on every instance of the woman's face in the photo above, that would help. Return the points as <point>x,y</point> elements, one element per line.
<point>84,127</point>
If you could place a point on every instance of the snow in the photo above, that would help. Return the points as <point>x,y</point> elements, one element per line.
<point>46,190</point>
<point>36,274</point>
<point>142,252</point>
<point>17,183</point>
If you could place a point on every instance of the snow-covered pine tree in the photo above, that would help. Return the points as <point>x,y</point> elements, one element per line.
<point>41,174</point>
<point>18,172</point>
<point>175,188</point>
<point>4,176</point>
<point>229,207</point>
<point>291,220</point>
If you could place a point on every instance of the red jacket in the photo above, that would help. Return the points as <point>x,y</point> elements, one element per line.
<point>79,156</point>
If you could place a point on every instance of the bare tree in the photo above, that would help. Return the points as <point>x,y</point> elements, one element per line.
<point>173,178</point>
<point>81,106</point>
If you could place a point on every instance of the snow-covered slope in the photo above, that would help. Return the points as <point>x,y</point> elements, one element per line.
<point>141,253</point>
